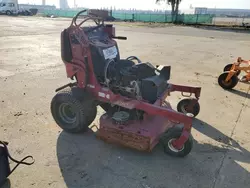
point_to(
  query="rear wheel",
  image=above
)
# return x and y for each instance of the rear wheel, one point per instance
(171, 135)
(228, 68)
(72, 114)
(227, 84)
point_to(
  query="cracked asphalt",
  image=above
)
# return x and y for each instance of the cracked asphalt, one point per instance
(31, 69)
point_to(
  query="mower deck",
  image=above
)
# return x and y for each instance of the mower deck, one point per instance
(139, 135)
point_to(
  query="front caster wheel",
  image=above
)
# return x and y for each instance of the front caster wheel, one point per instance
(171, 135)
(230, 84)
(72, 114)
(228, 68)
(184, 106)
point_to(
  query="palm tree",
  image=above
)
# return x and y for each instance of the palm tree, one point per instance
(174, 5)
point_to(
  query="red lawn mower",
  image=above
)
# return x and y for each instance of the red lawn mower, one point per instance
(132, 93)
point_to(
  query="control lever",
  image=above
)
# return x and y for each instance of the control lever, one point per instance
(119, 37)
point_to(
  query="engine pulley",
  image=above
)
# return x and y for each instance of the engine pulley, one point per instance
(120, 117)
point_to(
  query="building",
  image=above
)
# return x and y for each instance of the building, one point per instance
(223, 12)
(200, 10)
(64, 4)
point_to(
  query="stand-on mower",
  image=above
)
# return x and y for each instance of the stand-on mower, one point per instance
(131, 94)
(229, 78)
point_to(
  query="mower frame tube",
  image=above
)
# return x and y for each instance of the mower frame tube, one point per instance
(186, 89)
(232, 72)
(236, 67)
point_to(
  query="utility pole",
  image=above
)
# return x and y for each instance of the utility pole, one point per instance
(44, 2)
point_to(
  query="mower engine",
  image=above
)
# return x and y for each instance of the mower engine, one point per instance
(138, 81)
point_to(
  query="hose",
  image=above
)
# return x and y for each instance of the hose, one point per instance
(106, 80)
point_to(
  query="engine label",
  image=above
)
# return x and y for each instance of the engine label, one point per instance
(103, 95)
(110, 53)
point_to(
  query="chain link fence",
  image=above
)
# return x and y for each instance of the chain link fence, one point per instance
(165, 18)
(206, 19)
(62, 13)
(139, 17)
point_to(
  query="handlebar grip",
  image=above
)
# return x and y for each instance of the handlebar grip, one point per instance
(5, 143)
(118, 37)
(78, 14)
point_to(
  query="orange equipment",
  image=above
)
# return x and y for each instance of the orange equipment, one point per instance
(229, 78)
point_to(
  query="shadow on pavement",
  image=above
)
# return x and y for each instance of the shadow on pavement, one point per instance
(218, 136)
(225, 29)
(240, 93)
(86, 161)
(234, 175)
(211, 131)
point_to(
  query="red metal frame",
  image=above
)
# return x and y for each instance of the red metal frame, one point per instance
(78, 68)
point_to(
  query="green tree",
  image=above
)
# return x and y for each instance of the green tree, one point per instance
(174, 6)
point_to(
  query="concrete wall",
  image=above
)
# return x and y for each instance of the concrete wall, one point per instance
(230, 21)
(221, 12)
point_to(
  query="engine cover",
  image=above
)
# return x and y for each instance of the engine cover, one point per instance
(153, 87)
(136, 72)
(142, 70)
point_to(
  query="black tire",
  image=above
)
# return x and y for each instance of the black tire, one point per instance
(8, 13)
(182, 107)
(228, 68)
(230, 84)
(92, 112)
(82, 116)
(87, 101)
(172, 134)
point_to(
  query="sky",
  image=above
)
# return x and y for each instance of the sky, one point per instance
(147, 4)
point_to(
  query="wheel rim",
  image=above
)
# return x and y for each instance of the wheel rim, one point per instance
(67, 113)
(184, 109)
(224, 82)
(172, 148)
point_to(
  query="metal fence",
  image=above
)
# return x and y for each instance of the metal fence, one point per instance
(62, 13)
(139, 17)
(165, 18)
